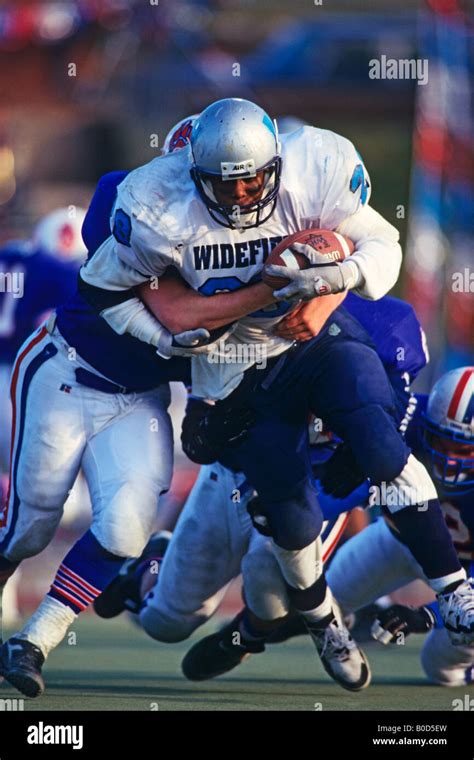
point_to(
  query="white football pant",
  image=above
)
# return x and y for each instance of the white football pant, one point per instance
(213, 542)
(122, 442)
(374, 563)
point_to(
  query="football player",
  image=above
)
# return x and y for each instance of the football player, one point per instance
(376, 561)
(214, 538)
(442, 433)
(220, 204)
(103, 407)
(161, 219)
(42, 273)
(44, 270)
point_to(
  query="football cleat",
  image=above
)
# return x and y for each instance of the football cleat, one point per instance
(342, 659)
(457, 610)
(293, 626)
(218, 653)
(21, 663)
(123, 593)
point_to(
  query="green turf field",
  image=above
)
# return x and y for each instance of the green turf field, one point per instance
(114, 666)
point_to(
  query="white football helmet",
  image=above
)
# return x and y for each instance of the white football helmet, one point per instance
(449, 430)
(59, 233)
(234, 139)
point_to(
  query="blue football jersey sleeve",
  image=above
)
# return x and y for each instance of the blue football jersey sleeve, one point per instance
(395, 330)
(96, 226)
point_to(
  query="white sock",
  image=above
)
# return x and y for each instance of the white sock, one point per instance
(47, 627)
(302, 567)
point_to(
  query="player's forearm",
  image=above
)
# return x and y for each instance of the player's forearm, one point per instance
(378, 254)
(179, 308)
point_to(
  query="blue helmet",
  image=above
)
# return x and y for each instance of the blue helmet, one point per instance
(449, 431)
(235, 139)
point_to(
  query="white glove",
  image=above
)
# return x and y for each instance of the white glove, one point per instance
(187, 343)
(321, 279)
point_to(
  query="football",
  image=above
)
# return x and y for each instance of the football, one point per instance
(333, 245)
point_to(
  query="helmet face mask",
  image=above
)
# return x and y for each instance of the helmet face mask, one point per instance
(235, 139)
(237, 216)
(448, 437)
(450, 458)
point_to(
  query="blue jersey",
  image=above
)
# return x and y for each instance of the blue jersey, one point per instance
(123, 359)
(458, 510)
(395, 331)
(32, 284)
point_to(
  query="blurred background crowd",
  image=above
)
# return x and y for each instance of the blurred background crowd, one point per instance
(90, 86)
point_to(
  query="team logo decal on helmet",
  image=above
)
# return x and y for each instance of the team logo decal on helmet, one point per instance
(236, 139)
(180, 135)
(449, 430)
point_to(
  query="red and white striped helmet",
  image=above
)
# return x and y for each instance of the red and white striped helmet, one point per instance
(449, 422)
(451, 403)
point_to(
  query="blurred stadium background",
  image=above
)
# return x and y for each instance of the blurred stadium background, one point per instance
(87, 85)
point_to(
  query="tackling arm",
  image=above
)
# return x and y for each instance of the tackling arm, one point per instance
(180, 308)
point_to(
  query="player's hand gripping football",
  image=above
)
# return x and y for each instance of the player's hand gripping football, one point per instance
(321, 278)
(397, 619)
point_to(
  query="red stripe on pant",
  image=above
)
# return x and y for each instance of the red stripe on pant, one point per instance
(13, 387)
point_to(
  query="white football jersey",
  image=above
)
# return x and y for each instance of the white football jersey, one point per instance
(159, 221)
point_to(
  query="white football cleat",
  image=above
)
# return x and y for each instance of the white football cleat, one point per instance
(457, 610)
(340, 655)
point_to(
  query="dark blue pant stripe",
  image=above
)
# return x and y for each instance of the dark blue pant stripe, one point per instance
(47, 353)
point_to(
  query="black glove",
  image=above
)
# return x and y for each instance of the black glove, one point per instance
(208, 430)
(340, 475)
(397, 619)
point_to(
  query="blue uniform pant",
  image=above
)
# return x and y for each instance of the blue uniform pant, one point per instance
(339, 377)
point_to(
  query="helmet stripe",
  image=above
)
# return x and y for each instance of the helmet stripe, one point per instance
(469, 415)
(462, 396)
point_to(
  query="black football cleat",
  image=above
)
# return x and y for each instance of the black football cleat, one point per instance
(218, 653)
(293, 626)
(123, 593)
(21, 663)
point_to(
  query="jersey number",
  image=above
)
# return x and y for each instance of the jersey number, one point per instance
(358, 179)
(227, 284)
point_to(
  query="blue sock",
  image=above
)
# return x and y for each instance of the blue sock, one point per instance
(424, 531)
(434, 607)
(84, 573)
